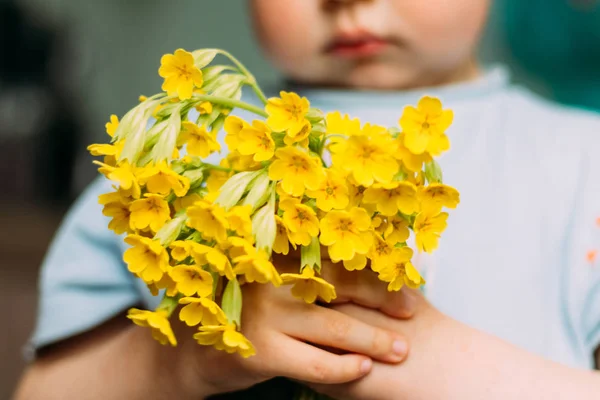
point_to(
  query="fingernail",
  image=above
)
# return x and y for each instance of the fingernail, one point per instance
(400, 347)
(366, 365)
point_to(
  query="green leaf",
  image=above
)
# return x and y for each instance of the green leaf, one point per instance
(211, 73)
(264, 226)
(235, 187)
(230, 87)
(232, 302)
(433, 172)
(226, 83)
(259, 192)
(204, 57)
(310, 256)
(170, 231)
(314, 115)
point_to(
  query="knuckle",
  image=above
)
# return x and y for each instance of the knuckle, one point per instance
(338, 329)
(380, 342)
(320, 372)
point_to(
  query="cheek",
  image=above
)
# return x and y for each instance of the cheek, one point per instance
(444, 27)
(287, 30)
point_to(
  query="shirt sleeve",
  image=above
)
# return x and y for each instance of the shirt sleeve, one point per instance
(83, 280)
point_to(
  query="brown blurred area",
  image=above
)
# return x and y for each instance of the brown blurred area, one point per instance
(38, 134)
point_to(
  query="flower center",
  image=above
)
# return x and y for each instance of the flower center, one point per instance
(329, 190)
(265, 142)
(426, 125)
(295, 111)
(345, 225)
(298, 163)
(184, 72)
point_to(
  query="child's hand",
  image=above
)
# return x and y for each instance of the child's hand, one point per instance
(280, 327)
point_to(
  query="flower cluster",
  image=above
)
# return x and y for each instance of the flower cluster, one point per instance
(293, 179)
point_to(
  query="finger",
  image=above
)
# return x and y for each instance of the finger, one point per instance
(301, 361)
(326, 327)
(364, 288)
(366, 315)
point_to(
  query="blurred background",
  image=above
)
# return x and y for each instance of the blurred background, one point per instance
(66, 65)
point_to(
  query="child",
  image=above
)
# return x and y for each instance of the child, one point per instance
(512, 262)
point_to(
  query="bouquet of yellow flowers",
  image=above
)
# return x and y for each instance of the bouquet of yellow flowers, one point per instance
(292, 178)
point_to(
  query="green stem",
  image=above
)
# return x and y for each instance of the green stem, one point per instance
(231, 103)
(251, 79)
(168, 304)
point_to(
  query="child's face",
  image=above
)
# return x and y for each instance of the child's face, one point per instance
(374, 44)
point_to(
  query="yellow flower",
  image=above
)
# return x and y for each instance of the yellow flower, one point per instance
(117, 207)
(300, 220)
(208, 219)
(204, 108)
(204, 311)
(301, 137)
(437, 195)
(282, 241)
(288, 113)
(395, 230)
(125, 175)
(152, 211)
(181, 249)
(199, 141)
(417, 178)
(333, 192)
(225, 337)
(180, 73)
(216, 179)
(346, 233)
(356, 194)
(256, 141)
(425, 125)
(308, 287)
(393, 197)
(380, 253)
(428, 228)
(147, 258)
(112, 125)
(342, 125)
(296, 170)
(240, 222)
(256, 267)
(110, 152)
(157, 321)
(401, 272)
(233, 126)
(161, 179)
(368, 158)
(192, 280)
(239, 162)
(165, 283)
(412, 162)
(182, 203)
(235, 246)
(214, 257)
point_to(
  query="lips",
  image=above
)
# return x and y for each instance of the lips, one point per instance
(359, 45)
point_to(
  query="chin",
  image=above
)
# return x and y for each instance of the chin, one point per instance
(380, 77)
